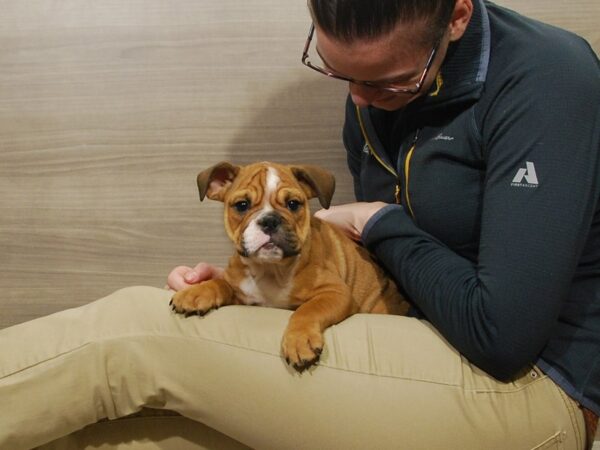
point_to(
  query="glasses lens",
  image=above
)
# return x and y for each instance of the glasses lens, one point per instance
(315, 60)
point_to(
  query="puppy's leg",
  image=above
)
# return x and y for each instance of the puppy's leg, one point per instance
(302, 342)
(201, 298)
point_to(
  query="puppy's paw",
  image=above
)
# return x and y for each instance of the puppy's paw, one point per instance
(196, 300)
(302, 347)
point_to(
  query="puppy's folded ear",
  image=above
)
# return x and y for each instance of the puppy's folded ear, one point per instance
(216, 180)
(316, 182)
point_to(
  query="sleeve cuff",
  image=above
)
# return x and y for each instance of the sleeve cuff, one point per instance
(376, 217)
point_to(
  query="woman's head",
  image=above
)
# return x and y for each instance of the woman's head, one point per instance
(381, 44)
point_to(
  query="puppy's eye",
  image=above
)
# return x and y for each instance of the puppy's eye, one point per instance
(242, 206)
(293, 205)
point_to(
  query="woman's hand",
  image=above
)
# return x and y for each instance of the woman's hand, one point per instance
(351, 217)
(182, 277)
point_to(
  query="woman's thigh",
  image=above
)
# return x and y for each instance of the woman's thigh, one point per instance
(382, 382)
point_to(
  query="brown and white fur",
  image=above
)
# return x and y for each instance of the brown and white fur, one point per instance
(286, 258)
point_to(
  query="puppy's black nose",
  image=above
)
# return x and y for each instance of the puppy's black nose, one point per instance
(269, 223)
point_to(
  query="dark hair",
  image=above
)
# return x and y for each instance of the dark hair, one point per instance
(348, 20)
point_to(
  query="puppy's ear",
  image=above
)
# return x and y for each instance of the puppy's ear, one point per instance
(316, 182)
(216, 180)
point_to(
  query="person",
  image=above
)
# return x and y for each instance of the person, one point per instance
(472, 136)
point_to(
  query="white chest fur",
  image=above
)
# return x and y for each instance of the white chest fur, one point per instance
(265, 290)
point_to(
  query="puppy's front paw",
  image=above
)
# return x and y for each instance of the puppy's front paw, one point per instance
(302, 347)
(196, 300)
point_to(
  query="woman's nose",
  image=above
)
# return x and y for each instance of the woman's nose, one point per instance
(363, 95)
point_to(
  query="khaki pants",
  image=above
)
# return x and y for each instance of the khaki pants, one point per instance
(384, 382)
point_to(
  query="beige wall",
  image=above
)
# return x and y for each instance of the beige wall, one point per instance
(109, 109)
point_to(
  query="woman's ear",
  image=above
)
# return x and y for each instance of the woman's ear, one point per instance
(463, 10)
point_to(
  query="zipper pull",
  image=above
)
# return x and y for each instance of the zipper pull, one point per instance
(397, 194)
(416, 138)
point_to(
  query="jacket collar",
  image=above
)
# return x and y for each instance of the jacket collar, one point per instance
(464, 71)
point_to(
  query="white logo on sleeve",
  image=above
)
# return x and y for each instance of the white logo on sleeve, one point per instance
(526, 177)
(443, 137)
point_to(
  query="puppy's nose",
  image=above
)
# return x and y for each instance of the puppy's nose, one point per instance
(270, 223)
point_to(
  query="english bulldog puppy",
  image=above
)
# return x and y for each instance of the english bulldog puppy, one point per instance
(286, 258)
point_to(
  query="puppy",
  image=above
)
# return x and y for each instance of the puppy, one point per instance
(287, 259)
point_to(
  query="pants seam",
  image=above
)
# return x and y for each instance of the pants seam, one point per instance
(320, 364)
(45, 360)
(514, 390)
(579, 434)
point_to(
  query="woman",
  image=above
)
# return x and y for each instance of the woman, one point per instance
(472, 137)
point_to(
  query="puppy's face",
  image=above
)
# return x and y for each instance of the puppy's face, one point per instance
(267, 213)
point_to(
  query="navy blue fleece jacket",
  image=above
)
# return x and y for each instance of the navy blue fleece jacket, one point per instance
(496, 240)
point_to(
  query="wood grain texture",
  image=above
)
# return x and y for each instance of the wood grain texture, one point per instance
(109, 109)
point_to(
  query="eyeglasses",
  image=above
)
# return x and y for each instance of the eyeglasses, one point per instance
(394, 87)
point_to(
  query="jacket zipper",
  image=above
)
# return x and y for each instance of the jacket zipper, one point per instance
(390, 169)
(407, 159)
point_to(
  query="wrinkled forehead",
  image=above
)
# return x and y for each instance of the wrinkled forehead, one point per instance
(267, 177)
